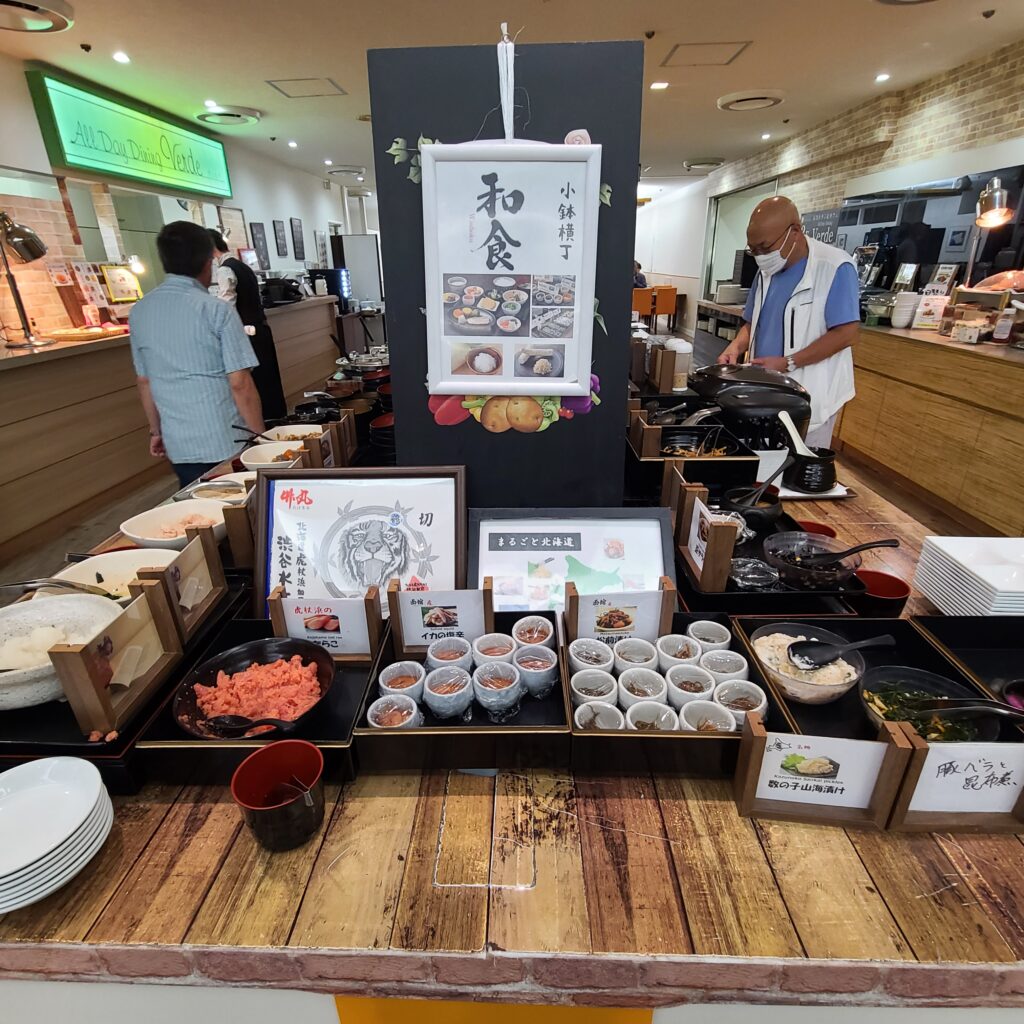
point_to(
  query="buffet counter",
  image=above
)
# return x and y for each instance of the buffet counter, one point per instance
(537, 887)
(72, 428)
(945, 417)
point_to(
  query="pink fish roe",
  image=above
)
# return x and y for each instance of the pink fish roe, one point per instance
(283, 689)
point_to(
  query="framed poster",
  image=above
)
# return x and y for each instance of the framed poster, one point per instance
(332, 533)
(510, 237)
(122, 284)
(259, 243)
(298, 246)
(531, 553)
(280, 238)
(249, 258)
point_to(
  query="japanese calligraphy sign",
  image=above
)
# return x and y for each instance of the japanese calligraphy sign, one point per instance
(819, 770)
(338, 625)
(431, 616)
(510, 235)
(970, 777)
(611, 617)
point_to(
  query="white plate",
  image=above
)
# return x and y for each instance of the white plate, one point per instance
(144, 529)
(50, 867)
(27, 898)
(42, 804)
(276, 434)
(968, 587)
(953, 601)
(995, 578)
(118, 569)
(81, 615)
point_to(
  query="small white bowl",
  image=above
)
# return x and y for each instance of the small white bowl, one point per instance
(724, 665)
(712, 636)
(275, 435)
(672, 643)
(498, 703)
(590, 647)
(493, 641)
(144, 529)
(605, 688)
(653, 685)
(450, 643)
(660, 715)
(677, 696)
(604, 716)
(391, 699)
(634, 647)
(535, 622)
(402, 669)
(448, 705)
(537, 681)
(697, 711)
(113, 571)
(741, 688)
(262, 455)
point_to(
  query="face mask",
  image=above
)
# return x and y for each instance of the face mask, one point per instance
(772, 262)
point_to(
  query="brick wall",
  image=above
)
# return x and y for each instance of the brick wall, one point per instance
(976, 104)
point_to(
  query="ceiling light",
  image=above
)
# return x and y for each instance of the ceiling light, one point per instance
(135, 265)
(659, 85)
(750, 99)
(703, 166)
(210, 104)
(227, 116)
(292, 144)
(765, 136)
(327, 163)
(348, 169)
(360, 177)
(41, 16)
(882, 76)
(121, 57)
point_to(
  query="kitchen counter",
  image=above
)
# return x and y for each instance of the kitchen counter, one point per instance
(945, 418)
(717, 307)
(17, 358)
(537, 887)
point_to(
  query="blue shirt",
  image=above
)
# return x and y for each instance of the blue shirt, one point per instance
(841, 307)
(186, 342)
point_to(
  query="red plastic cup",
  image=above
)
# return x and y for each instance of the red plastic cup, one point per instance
(810, 527)
(884, 596)
(280, 792)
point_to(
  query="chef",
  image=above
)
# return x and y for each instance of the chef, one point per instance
(237, 285)
(802, 313)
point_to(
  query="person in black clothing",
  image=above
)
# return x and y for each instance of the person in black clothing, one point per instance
(639, 279)
(237, 284)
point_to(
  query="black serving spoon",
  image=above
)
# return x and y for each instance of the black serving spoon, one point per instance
(238, 725)
(971, 706)
(753, 496)
(811, 654)
(827, 557)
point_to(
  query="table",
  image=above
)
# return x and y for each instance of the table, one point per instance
(533, 886)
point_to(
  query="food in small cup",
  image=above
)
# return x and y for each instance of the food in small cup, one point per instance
(651, 716)
(740, 696)
(592, 684)
(452, 651)
(538, 668)
(498, 689)
(724, 665)
(598, 715)
(711, 636)
(510, 308)
(402, 677)
(704, 716)
(676, 649)
(636, 684)
(633, 652)
(472, 291)
(448, 691)
(395, 711)
(493, 647)
(457, 283)
(449, 298)
(509, 324)
(533, 630)
(805, 686)
(687, 683)
(586, 653)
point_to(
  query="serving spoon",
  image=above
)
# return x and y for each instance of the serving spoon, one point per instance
(237, 725)
(826, 557)
(794, 435)
(811, 654)
(970, 706)
(753, 496)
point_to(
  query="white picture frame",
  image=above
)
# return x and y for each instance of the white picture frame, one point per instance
(490, 358)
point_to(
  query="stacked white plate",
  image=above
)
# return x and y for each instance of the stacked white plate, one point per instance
(973, 575)
(55, 815)
(904, 309)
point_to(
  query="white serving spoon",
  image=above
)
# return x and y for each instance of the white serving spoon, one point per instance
(794, 435)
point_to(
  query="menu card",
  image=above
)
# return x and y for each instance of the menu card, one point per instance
(438, 614)
(339, 625)
(970, 777)
(613, 617)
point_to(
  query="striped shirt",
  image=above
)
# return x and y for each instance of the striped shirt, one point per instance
(186, 342)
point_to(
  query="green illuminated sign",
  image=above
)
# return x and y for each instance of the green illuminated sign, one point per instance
(90, 131)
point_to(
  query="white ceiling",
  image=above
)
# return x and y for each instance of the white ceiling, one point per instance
(823, 54)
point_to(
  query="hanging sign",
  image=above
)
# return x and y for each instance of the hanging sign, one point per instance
(970, 777)
(96, 132)
(510, 236)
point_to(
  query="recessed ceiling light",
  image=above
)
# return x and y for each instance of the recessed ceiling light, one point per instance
(223, 115)
(659, 85)
(882, 76)
(292, 144)
(121, 57)
(750, 99)
(327, 163)
(210, 104)
(765, 136)
(40, 16)
(703, 166)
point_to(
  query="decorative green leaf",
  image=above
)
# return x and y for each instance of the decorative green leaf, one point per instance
(599, 318)
(414, 174)
(424, 141)
(416, 160)
(606, 194)
(399, 151)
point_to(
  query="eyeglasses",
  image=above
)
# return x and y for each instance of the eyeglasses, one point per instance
(760, 250)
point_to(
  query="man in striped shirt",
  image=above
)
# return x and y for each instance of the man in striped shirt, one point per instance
(192, 359)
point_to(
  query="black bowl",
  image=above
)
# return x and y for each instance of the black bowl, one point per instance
(812, 476)
(186, 710)
(759, 517)
(917, 679)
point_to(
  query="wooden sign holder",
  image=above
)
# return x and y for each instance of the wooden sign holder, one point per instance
(240, 521)
(336, 446)
(672, 484)
(419, 651)
(137, 650)
(875, 815)
(713, 575)
(669, 598)
(199, 561)
(905, 820)
(374, 624)
(345, 432)
(662, 369)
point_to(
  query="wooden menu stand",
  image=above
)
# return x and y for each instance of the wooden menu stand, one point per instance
(374, 624)
(669, 598)
(419, 651)
(713, 575)
(110, 677)
(662, 369)
(672, 485)
(875, 815)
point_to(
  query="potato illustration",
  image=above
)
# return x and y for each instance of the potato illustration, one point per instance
(495, 415)
(524, 414)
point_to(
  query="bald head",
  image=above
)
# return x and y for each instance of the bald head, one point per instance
(775, 223)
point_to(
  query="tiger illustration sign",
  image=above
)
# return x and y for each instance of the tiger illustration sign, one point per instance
(332, 533)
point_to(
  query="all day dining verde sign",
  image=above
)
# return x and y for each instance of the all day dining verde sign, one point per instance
(90, 131)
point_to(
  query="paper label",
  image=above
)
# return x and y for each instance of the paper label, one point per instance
(436, 615)
(612, 617)
(974, 778)
(700, 531)
(337, 625)
(820, 770)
